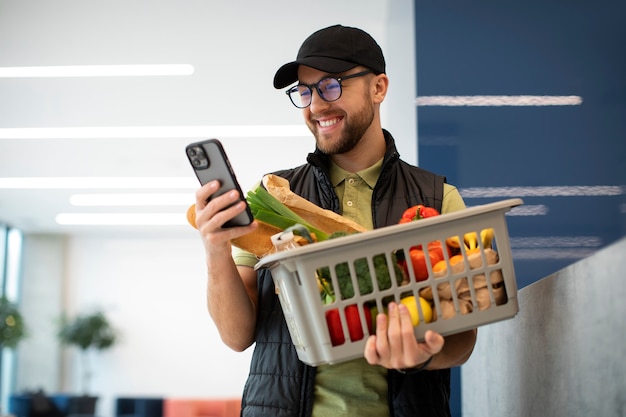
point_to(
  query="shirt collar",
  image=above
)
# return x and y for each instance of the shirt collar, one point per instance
(369, 175)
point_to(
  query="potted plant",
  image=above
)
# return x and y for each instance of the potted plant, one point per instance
(87, 332)
(12, 328)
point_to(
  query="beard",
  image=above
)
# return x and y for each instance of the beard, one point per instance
(353, 130)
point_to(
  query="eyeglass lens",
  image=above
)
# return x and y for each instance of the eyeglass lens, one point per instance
(329, 89)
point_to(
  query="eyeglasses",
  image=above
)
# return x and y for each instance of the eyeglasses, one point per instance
(329, 89)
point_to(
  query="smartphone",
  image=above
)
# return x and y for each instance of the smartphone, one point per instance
(209, 161)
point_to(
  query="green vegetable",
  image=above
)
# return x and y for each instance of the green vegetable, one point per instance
(266, 208)
(363, 275)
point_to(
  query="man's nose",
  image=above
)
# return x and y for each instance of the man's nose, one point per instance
(317, 102)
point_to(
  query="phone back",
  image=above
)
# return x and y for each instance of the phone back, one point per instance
(209, 162)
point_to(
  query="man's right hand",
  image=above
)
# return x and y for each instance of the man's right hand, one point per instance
(211, 216)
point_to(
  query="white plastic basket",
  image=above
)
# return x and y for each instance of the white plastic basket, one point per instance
(457, 302)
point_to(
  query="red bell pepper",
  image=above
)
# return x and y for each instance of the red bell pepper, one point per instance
(417, 254)
(418, 212)
(333, 321)
(355, 329)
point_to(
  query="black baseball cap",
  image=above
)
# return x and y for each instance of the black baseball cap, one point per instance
(334, 49)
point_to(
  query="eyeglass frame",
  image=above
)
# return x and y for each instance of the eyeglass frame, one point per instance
(316, 87)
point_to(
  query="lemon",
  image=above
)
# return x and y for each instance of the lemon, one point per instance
(411, 304)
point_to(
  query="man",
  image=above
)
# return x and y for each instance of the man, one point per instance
(355, 171)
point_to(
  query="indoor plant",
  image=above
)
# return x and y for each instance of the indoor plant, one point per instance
(12, 328)
(90, 331)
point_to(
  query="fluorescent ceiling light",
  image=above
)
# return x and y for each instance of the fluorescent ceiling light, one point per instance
(496, 101)
(122, 219)
(189, 183)
(145, 199)
(109, 132)
(98, 71)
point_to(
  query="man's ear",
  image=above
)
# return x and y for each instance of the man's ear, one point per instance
(380, 85)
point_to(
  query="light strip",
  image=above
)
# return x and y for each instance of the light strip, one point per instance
(544, 191)
(552, 254)
(496, 101)
(529, 210)
(122, 219)
(98, 71)
(144, 199)
(556, 242)
(110, 132)
(189, 183)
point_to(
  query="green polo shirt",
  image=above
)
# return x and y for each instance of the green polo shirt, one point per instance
(353, 387)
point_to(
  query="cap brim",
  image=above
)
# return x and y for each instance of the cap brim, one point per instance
(288, 73)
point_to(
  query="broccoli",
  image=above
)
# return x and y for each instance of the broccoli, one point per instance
(364, 278)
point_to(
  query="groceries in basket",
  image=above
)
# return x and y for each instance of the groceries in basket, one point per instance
(377, 275)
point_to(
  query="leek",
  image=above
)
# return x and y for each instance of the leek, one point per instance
(266, 208)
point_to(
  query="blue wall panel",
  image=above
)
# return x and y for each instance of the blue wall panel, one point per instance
(568, 163)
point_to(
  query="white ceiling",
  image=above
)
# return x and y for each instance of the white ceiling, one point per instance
(235, 48)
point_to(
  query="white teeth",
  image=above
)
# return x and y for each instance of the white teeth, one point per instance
(326, 123)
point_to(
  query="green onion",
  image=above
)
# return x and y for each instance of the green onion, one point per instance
(266, 208)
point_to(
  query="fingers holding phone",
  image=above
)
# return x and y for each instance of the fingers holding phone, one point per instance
(221, 210)
(211, 165)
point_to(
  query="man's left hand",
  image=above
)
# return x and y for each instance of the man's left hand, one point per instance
(394, 345)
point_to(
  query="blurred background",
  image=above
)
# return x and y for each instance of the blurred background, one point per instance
(505, 99)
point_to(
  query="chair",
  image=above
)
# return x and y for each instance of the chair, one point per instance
(19, 405)
(36, 403)
(55, 405)
(202, 407)
(138, 407)
(75, 405)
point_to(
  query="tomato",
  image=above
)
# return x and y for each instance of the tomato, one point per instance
(418, 260)
(355, 329)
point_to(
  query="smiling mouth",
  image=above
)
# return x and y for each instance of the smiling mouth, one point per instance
(329, 122)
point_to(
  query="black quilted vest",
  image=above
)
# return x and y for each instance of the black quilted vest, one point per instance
(279, 385)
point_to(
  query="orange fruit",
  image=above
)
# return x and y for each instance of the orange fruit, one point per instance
(191, 216)
(441, 265)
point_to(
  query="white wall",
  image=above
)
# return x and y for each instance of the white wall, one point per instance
(42, 288)
(153, 291)
(152, 287)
